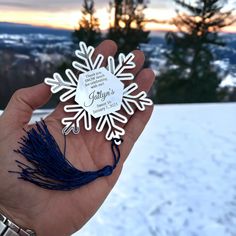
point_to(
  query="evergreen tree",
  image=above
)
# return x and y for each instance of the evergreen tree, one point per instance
(88, 28)
(127, 24)
(190, 74)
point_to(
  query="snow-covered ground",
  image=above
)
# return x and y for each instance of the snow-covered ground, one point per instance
(180, 179)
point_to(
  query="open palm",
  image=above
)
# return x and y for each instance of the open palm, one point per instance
(59, 213)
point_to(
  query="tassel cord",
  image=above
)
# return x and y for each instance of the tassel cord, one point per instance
(48, 167)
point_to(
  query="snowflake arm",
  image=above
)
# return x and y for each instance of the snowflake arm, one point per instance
(140, 100)
(86, 63)
(125, 63)
(57, 84)
(72, 123)
(113, 131)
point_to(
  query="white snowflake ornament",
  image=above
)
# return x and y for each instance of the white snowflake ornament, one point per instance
(99, 93)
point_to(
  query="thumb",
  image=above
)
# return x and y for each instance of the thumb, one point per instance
(23, 102)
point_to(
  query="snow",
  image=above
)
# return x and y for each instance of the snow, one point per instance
(223, 64)
(179, 179)
(229, 81)
(22, 56)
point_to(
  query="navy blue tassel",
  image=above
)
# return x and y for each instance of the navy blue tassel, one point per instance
(48, 167)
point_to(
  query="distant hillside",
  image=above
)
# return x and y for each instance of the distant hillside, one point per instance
(14, 28)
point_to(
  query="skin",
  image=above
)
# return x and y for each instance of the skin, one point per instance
(56, 213)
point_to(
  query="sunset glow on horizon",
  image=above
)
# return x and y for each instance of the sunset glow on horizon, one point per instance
(70, 18)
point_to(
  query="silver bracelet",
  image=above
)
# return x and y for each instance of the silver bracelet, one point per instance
(8, 228)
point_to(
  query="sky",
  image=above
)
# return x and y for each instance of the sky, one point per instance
(66, 13)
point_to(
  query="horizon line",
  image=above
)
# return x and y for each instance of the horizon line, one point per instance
(102, 30)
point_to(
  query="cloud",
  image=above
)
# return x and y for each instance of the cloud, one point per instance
(13, 4)
(45, 5)
(65, 5)
(76, 5)
(160, 4)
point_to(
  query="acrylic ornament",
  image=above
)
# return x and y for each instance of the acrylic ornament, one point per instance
(99, 93)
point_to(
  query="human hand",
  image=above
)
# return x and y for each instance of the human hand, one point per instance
(57, 213)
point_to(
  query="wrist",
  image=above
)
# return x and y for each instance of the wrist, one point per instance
(11, 227)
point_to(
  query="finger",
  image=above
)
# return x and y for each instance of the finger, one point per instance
(133, 130)
(144, 80)
(139, 59)
(23, 102)
(106, 48)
